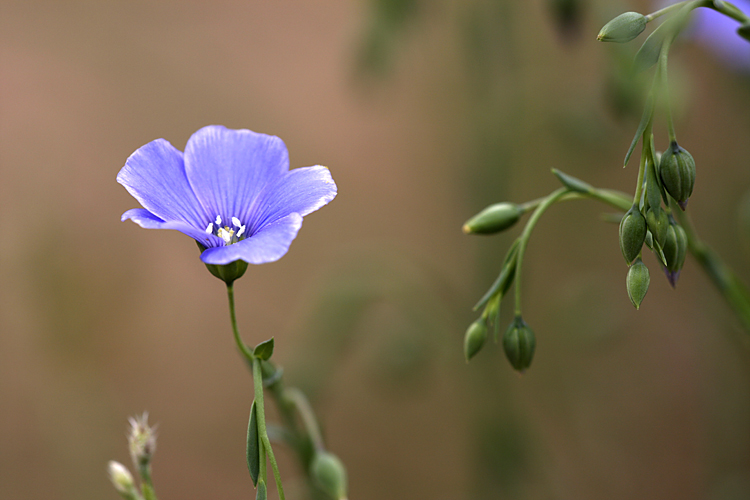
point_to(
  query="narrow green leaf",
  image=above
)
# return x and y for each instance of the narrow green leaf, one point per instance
(264, 350)
(504, 280)
(253, 448)
(572, 183)
(648, 113)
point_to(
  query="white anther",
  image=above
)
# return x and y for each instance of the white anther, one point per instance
(210, 228)
(242, 230)
(236, 222)
(218, 220)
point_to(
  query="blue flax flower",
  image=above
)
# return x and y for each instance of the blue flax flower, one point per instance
(231, 191)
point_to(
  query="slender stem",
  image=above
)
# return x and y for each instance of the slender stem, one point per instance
(665, 10)
(244, 349)
(729, 10)
(147, 486)
(639, 182)
(307, 415)
(665, 87)
(260, 415)
(524, 238)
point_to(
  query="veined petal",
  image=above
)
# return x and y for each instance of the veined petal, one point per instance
(228, 168)
(301, 190)
(147, 220)
(267, 245)
(155, 176)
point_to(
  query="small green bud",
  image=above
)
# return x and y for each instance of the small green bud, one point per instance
(675, 251)
(122, 480)
(637, 282)
(744, 31)
(474, 338)
(623, 28)
(493, 219)
(329, 474)
(632, 233)
(519, 343)
(658, 223)
(677, 173)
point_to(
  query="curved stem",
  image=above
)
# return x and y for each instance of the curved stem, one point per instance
(665, 10)
(244, 349)
(260, 415)
(306, 414)
(524, 238)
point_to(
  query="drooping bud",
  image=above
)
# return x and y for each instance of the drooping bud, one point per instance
(519, 344)
(637, 282)
(632, 234)
(677, 173)
(474, 338)
(122, 480)
(675, 251)
(623, 28)
(658, 223)
(493, 219)
(329, 474)
(744, 31)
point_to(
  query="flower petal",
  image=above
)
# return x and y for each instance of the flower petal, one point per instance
(155, 176)
(228, 168)
(147, 220)
(267, 245)
(302, 191)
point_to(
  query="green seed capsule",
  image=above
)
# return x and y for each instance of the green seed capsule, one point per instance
(493, 219)
(632, 234)
(519, 344)
(623, 28)
(474, 338)
(637, 282)
(677, 173)
(329, 474)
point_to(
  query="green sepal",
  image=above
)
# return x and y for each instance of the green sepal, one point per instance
(474, 338)
(261, 493)
(505, 279)
(228, 273)
(253, 446)
(572, 183)
(264, 350)
(648, 113)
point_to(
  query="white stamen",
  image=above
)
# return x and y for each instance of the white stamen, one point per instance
(210, 228)
(218, 220)
(236, 222)
(242, 230)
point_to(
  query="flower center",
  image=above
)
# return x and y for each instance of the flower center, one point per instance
(228, 234)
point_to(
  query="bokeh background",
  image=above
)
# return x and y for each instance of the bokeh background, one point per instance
(425, 112)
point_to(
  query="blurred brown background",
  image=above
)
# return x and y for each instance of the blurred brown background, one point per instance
(425, 112)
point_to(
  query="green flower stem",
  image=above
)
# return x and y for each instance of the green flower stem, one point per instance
(300, 402)
(260, 415)
(665, 10)
(663, 55)
(726, 281)
(244, 349)
(641, 173)
(729, 10)
(147, 488)
(550, 200)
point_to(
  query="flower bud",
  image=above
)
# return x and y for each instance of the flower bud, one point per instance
(122, 480)
(474, 338)
(675, 251)
(623, 28)
(677, 172)
(632, 234)
(637, 282)
(329, 474)
(141, 440)
(658, 223)
(744, 31)
(493, 219)
(519, 343)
